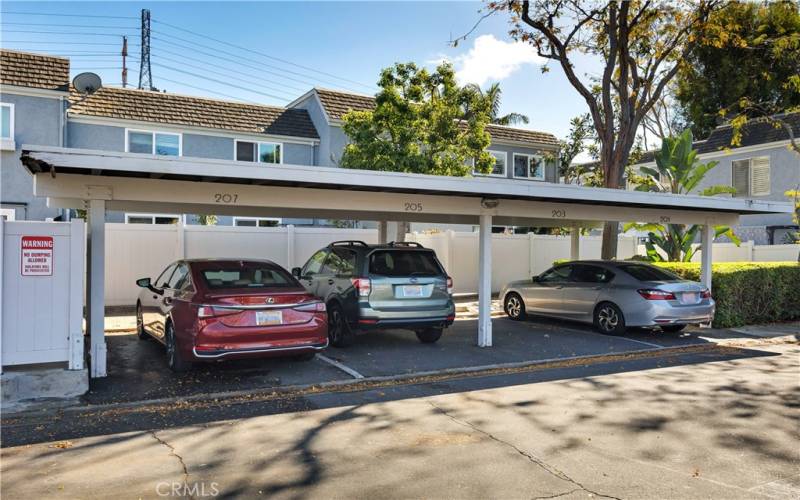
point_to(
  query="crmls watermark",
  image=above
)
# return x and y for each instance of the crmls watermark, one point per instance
(193, 490)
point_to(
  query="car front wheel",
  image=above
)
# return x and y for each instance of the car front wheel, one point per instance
(608, 319)
(140, 323)
(515, 308)
(429, 335)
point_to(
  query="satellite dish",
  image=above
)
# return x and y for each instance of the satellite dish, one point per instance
(87, 83)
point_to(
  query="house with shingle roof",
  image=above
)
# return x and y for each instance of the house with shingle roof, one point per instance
(761, 166)
(37, 98)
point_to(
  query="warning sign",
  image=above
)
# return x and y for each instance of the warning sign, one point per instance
(37, 256)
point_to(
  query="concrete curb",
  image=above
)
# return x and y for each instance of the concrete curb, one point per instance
(367, 383)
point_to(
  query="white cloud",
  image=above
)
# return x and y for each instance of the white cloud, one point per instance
(492, 60)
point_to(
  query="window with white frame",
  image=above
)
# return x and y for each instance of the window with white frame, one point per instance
(152, 219)
(153, 143)
(529, 166)
(751, 176)
(256, 222)
(499, 169)
(7, 121)
(260, 152)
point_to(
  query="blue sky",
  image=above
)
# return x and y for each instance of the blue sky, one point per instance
(352, 40)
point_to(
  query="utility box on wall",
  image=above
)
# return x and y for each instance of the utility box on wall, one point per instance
(43, 265)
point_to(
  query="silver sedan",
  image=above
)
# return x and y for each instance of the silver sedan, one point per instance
(612, 295)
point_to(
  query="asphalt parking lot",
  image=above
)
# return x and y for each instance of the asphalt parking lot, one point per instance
(137, 369)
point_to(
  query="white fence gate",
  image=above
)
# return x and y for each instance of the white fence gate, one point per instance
(42, 292)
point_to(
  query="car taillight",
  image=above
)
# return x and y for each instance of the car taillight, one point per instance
(651, 294)
(205, 312)
(706, 294)
(311, 307)
(362, 285)
(449, 285)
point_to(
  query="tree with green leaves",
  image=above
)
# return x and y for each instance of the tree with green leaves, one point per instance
(746, 65)
(420, 125)
(494, 94)
(678, 171)
(207, 220)
(579, 139)
(639, 44)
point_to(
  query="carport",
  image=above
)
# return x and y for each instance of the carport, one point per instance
(103, 180)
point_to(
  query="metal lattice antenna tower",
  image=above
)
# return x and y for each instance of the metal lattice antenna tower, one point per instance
(145, 75)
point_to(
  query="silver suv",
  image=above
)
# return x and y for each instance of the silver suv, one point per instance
(368, 287)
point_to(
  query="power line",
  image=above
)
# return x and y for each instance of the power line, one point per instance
(206, 37)
(206, 90)
(186, 47)
(221, 82)
(182, 63)
(64, 43)
(71, 25)
(62, 33)
(236, 70)
(66, 15)
(195, 44)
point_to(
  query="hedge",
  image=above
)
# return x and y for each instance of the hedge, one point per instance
(748, 292)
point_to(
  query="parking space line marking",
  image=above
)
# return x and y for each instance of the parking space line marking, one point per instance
(639, 341)
(340, 366)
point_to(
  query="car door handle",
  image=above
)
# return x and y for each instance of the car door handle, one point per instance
(331, 282)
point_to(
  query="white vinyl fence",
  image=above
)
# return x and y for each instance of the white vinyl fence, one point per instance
(141, 250)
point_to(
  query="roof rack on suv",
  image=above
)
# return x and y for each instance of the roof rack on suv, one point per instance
(405, 244)
(348, 243)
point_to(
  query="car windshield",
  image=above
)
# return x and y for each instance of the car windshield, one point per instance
(649, 273)
(245, 275)
(404, 263)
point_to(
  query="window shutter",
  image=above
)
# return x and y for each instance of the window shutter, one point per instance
(741, 177)
(759, 183)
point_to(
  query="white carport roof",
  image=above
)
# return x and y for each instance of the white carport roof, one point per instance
(130, 181)
(102, 180)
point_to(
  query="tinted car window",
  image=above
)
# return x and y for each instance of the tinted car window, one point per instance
(556, 274)
(404, 263)
(245, 275)
(341, 262)
(584, 273)
(179, 277)
(648, 273)
(314, 264)
(163, 278)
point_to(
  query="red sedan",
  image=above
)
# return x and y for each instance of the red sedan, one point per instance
(212, 309)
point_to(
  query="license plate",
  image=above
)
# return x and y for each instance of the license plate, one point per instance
(689, 298)
(269, 318)
(412, 290)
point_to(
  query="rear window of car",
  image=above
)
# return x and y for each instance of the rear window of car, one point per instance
(649, 273)
(404, 263)
(228, 276)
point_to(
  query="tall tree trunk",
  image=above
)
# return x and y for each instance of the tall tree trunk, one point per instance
(610, 235)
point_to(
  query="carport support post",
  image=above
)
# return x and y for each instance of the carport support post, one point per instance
(96, 306)
(706, 250)
(485, 281)
(575, 243)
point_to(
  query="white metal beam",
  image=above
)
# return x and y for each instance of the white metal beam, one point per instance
(706, 257)
(219, 198)
(96, 287)
(575, 243)
(485, 281)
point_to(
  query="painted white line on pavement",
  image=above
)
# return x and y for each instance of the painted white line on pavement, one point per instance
(340, 366)
(638, 341)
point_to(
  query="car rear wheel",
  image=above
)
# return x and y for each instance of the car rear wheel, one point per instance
(608, 319)
(429, 335)
(515, 307)
(672, 328)
(339, 332)
(140, 323)
(175, 361)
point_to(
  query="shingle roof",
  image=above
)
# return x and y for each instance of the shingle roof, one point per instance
(337, 103)
(24, 69)
(161, 107)
(757, 131)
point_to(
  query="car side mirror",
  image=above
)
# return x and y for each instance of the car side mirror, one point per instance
(296, 272)
(143, 282)
(535, 279)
